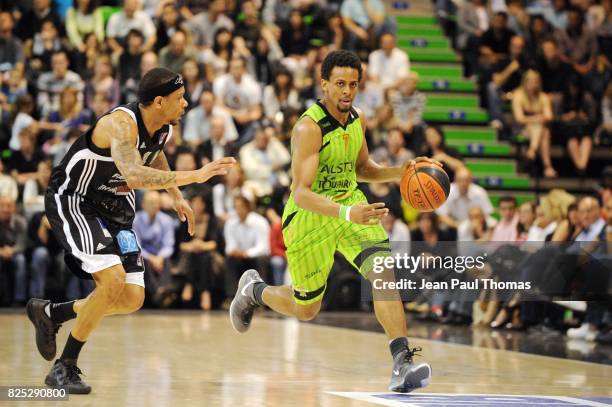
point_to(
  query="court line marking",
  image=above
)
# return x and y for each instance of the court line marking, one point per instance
(432, 398)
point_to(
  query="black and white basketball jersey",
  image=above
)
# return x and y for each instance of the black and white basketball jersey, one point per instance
(90, 173)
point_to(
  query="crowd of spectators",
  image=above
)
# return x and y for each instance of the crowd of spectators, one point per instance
(543, 70)
(250, 68)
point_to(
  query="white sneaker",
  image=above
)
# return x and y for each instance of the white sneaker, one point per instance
(581, 333)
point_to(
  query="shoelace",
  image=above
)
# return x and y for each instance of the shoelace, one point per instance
(411, 353)
(74, 372)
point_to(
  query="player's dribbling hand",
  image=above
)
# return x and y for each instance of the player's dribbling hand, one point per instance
(368, 214)
(217, 167)
(422, 160)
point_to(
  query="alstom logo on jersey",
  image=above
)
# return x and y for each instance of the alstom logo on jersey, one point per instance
(347, 166)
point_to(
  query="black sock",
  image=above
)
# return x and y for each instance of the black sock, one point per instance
(62, 312)
(258, 292)
(397, 345)
(71, 350)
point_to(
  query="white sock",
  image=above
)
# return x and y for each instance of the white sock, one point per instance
(48, 310)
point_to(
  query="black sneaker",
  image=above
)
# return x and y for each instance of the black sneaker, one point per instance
(243, 305)
(46, 330)
(407, 377)
(67, 376)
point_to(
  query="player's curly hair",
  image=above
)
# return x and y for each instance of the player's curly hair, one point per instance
(342, 58)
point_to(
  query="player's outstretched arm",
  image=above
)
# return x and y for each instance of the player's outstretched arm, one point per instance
(122, 131)
(306, 143)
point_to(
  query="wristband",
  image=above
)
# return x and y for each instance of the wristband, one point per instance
(345, 212)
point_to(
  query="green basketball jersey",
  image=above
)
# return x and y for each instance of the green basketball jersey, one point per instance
(336, 175)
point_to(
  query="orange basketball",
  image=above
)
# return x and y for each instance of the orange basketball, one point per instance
(425, 186)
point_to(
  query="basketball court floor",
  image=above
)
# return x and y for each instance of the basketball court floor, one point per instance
(196, 359)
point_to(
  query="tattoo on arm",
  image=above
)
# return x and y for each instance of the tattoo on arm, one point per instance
(127, 159)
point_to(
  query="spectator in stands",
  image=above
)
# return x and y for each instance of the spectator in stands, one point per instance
(197, 121)
(24, 108)
(280, 95)
(507, 75)
(408, 107)
(8, 185)
(85, 62)
(35, 189)
(194, 78)
(240, 95)
(436, 148)
(364, 20)
(205, 25)
(495, 42)
(199, 253)
(477, 227)
(472, 22)
(532, 111)
(568, 228)
(384, 192)
(295, 35)
(103, 81)
(266, 58)
(518, 18)
(370, 100)
(264, 161)
(155, 231)
(526, 218)
(249, 27)
(23, 163)
(398, 231)
(47, 254)
(129, 18)
(336, 36)
(83, 18)
(70, 114)
(603, 135)
(217, 58)
(278, 259)
(245, 242)
(506, 228)
(389, 64)
(11, 48)
(31, 21)
(593, 229)
(216, 146)
(174, 55)
(577, 123)
(51, 84)
(549, 213)
(13, 274)
(592, 223)
(539, 32)
(553, 72)
(557, 14)
(464, 196)
(169, 23)
(224, 194)
(40, 48)
(393, 153)
(16, 86)
(185, 160)
(577, 43)
(128, 68)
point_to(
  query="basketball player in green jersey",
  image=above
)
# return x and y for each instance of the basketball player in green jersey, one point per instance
(327, 213)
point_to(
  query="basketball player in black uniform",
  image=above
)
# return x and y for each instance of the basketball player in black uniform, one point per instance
(90, 206)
